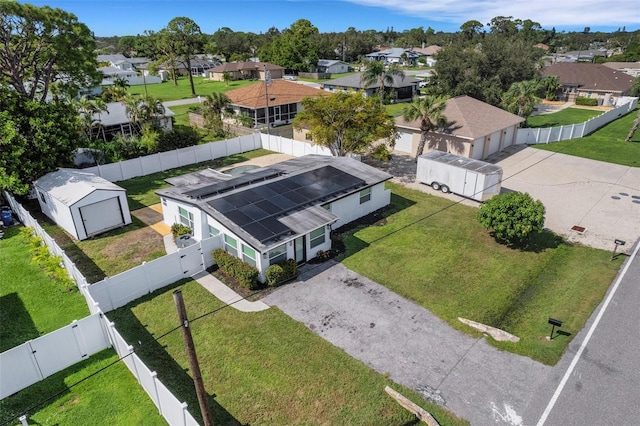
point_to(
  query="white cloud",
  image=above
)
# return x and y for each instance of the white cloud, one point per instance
(549, 13)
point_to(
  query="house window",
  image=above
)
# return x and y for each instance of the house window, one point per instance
(186, 217)
(231, 245)
(316, 237)
(278, 254)
(365, 195)
(213, 231)
(42, 197)
(308, 136)
(249, 255)
(164, 202)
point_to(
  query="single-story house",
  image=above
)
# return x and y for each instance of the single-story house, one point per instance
(394, 55)
(283, 98)
(246, 71)
(474, 129)
(116, 121)
(285, 211)
(402, 89)
(329, 66)
(587, 55)
(631, 68)
(428, 53)
(591, 81)
(82, 203)
(122, 62)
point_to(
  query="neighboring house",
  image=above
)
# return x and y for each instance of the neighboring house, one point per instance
(631, 68)
(402, 89)
(395, 55)
(111, 73)
(283, 98)
(246, 71)
(329, 66)
(428, 53)
(117, 121)
(587, 55)
(285, 211)
(82, 203)
(474, 129)
(121, 62)
(591, 81)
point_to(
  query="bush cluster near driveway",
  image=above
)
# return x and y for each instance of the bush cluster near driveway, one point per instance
(32, 304)
(167, 91)
(262, 367)
(605, 144)
(447, 263)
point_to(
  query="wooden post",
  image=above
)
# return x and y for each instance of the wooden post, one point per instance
(419, 412)
(193, 359)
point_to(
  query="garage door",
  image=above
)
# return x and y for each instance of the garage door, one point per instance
(404, 141)
(101, 216)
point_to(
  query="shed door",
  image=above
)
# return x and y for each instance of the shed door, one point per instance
(404, 142)
(470, 184)
(101, 216)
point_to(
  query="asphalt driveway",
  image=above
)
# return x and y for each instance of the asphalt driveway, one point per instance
(396, 336)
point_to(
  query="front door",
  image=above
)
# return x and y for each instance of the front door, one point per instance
(299, 247)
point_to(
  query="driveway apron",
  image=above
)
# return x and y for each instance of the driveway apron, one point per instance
(396, 336)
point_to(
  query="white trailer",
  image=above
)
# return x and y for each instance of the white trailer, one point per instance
(464, 176)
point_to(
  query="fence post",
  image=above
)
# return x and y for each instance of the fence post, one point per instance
(154, 377)
(184, 413)
(133, 361)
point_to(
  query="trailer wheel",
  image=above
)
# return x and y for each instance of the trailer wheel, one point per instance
(445, 189)
(435, 185)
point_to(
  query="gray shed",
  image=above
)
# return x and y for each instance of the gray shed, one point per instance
(82, 203)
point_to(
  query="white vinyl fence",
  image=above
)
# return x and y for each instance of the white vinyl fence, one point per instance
(39, 358)
(574, 131)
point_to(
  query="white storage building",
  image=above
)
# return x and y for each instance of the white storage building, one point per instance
(82, 203)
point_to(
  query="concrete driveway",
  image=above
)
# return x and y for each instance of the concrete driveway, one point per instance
(602, 198)
(396, 336)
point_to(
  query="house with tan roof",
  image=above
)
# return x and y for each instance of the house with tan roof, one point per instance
(591, 81)
(281, 97)
(246, 71)
(474, 129)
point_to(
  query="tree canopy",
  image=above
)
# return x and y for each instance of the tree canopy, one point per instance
(346, 122)
(429, 110)
(295, 48)
(42, 47)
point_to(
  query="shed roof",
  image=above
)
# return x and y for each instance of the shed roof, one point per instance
(469, 118)
(280, 92)
(70, 186)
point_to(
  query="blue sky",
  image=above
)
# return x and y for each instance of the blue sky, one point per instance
(116, 17)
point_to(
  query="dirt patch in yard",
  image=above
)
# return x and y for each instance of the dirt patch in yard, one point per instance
(137, 245)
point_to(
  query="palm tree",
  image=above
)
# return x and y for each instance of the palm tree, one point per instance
(430, 111)
(376, 72)
(87, 108)
(212, 106)
(551, 86)
(226, 77)
(152, 110)
(521, 97)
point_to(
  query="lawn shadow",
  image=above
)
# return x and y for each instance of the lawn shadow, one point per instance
(153, 353)
(536, 243)
(13, 311)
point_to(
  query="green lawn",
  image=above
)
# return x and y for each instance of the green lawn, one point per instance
(32, 304)
(451, 266)
(605, 144)
(395, 110)
(562, 118)
(333, 77)
(260, 368)
(182, 119)
(167, 91)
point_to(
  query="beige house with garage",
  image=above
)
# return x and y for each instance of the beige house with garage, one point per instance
(474, 129)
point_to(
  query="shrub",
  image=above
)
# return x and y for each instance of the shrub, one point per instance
(178, 137)
(280, 272)
(247, 275)
(513, 216)
(178, 229)
(581, 100)
(51, 265)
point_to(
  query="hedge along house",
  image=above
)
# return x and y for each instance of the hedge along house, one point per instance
(285, 211)
(82, 203)
(474, 129)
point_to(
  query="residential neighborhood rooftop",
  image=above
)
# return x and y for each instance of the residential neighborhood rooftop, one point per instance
(280, 92)
(596, 77)
(355, 81)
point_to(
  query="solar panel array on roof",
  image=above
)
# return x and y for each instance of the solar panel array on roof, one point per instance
(256, 209)
(238, 182)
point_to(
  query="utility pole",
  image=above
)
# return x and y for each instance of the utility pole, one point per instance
(193, 359)
(267, 82)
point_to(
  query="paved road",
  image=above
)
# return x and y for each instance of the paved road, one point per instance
(602, 384)
(393, 335)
